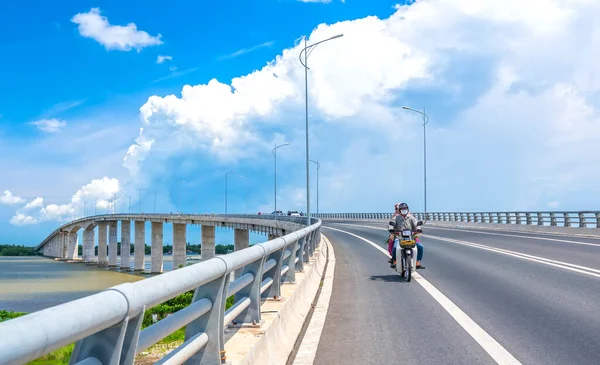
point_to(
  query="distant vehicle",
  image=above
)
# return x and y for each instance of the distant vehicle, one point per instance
(279, 212)
(293, 213)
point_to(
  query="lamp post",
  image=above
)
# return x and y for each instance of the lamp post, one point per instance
(227, 173)
(274, 152)
(307, 49)
(318, 167)
(425, 121)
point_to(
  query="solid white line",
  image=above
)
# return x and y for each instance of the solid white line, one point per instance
(310, 342)
(487, 342)
(542, 260)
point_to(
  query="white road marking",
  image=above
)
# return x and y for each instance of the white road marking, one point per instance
(542, 260)
(310, 342)
(487, 342)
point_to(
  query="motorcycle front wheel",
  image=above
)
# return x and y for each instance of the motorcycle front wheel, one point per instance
(408, 267)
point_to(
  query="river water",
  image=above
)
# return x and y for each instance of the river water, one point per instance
(32, 283)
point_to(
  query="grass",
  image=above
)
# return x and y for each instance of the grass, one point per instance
(62, 355)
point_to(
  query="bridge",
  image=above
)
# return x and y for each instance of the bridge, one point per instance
(498, 287)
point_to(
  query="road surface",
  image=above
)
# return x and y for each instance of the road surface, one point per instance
(485, 297)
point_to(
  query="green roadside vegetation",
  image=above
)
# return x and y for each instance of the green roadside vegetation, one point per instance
(20, 250)
(62, 355)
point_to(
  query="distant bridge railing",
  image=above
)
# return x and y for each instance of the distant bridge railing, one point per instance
(585, 219)
(106, 327)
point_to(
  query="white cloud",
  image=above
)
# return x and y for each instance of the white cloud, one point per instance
(512, 111)
(9, 199)
(162, 59)
(172, 68)
(101, 192)
(113, 37)
(35, 203)
(50, 125)
(21, 219)
(248, 50)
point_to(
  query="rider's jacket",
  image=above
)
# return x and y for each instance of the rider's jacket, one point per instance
(398, 223)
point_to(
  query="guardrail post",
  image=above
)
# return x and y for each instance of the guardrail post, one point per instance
(210, 323)
(300, 254)
(114, 345)
(290, 275)
(597, 220)
(528, 219)
(567, 219)
(582, 222)
(252, 291)
(508, 218)
(540, 218)
(274, 291)
(553, 219)
(518, 217)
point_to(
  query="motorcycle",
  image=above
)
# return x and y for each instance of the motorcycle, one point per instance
(406, 252)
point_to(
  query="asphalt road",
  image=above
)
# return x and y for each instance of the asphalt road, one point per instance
(539, 311)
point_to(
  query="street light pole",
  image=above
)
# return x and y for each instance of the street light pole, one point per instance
(227, 173)
(305, 64)
(425, 121)
(274, 152)
(318, 167)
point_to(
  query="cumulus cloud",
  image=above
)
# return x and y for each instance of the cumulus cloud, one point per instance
(506, 98)
(101, 192)
(35, 203)
(113, 37)
(50, 125)
(161, 59)
(9, 199)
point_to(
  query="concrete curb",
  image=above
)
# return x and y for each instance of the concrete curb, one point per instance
(277, 341)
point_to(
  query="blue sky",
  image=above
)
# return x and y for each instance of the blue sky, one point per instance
(215, 85)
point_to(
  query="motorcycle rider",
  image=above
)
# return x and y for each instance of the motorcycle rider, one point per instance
(405, 220)
(390, 240)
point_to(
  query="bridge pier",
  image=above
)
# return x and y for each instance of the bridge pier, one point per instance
(102, 228)
(64, 245)
(157, 247)
(272, 236)
(112, 244)
(125, 244)
(139, 250)
(73, 239)
(88, 245)
(179, 244)
(208, 243)
(241, 240)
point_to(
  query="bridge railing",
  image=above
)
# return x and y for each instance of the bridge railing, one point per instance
(106, 327)
(583, 219)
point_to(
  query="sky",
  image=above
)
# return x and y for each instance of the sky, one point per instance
(127, 106)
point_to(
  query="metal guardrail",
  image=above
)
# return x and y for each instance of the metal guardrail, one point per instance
(586, 219)
(106, 327)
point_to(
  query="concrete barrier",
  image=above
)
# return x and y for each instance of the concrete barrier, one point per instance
(525, 228)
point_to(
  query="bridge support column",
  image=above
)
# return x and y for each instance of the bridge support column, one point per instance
(272, 236)
(241, 241)
(102, 228)
(125, 244)
(64, 245)
(140, 246)
(157, 247)
(179, 245)
(112, 244)
(72, 250)
(88, 245)
(208, 243)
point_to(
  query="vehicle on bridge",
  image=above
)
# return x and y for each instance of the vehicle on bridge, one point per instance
(406, 252)
(293, 213)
